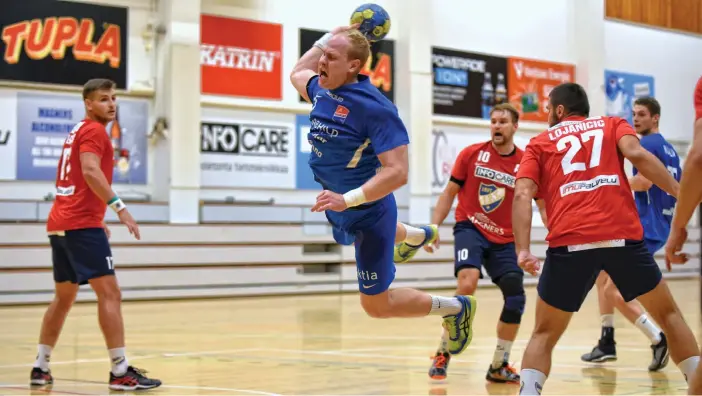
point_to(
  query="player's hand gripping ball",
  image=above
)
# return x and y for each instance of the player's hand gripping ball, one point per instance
(374, 21)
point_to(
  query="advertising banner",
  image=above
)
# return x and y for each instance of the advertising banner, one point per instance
(531, 81)
(44, 121)
(622, 89)
(380, 67)
(448, 142)
(236, 153)
(8, 135)
(467, 84)
(63, 42)
(241, 58)
(304, 179)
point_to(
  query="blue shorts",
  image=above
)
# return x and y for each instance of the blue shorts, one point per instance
(372, 230)
(568, 276)
(81, 255)
(653, 245)
(473, 250)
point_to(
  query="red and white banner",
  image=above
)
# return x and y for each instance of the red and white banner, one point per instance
(241, 57)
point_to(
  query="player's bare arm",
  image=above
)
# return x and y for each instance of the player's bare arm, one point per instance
(689, 197)
(307, 66)
(647, 164)
(96, 180)
(524, 192)
(640, 183)
(442, 209)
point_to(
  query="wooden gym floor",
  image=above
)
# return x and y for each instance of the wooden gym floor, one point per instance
(319, 345)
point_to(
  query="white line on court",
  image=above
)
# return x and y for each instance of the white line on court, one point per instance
(205, 388)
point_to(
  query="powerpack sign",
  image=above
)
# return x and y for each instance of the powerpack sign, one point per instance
(380, 67)
(247, 154)
(467, 84)
(63, 42)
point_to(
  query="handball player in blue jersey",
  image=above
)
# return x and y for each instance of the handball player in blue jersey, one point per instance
(655, 208)
(359, 156)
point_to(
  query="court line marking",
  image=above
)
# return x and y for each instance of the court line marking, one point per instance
(84, 384)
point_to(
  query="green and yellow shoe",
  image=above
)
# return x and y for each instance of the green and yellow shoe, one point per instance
(459, 326)
(405, 252)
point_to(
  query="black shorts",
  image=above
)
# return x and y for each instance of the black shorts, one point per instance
(473, 250)
(81, 255)
(568, 275)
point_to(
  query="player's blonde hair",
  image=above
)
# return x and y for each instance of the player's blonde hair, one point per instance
(360, 47)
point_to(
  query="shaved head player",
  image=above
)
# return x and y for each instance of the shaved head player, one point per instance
(359, 156)
(577, 168)
(689, 198)
(80, 249)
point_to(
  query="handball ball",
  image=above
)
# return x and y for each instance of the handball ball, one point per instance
(374, 21)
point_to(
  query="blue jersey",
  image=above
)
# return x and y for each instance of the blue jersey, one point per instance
(350, 127)
(655, 206)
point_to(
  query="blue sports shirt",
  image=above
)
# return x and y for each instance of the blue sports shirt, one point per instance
(655, 206)
(350, 127)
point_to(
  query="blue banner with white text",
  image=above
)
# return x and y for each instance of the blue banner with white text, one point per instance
(622, 89)
(44, 121)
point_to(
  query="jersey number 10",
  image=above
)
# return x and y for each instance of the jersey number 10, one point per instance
(575, 146)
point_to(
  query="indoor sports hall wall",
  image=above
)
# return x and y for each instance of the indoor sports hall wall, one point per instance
(254, 233)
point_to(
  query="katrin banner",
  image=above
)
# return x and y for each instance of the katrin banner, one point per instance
(241, 58)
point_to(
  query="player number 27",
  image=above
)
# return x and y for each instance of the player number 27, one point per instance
(575, 146)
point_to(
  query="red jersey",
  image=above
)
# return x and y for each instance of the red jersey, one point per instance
(76, 206)
(580, 174)
(487, 189)
(698, 99)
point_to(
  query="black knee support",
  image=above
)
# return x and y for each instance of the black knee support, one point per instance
(512, 286)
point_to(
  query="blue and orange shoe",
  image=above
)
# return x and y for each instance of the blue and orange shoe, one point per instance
(404, 252)
(459, 326)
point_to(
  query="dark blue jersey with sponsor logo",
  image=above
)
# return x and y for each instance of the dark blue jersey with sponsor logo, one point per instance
(655, 206)
(350, 127)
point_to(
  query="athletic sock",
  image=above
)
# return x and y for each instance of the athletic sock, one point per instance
(689, 366)
(43, 357)
(532, 382)
(607, 320)
(415, 236)
(502, 351)
(445, 306)
(443, 344)
(649, 329)
(118, 357)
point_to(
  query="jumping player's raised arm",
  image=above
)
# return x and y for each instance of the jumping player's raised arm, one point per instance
(306, 68)
(646, 163)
